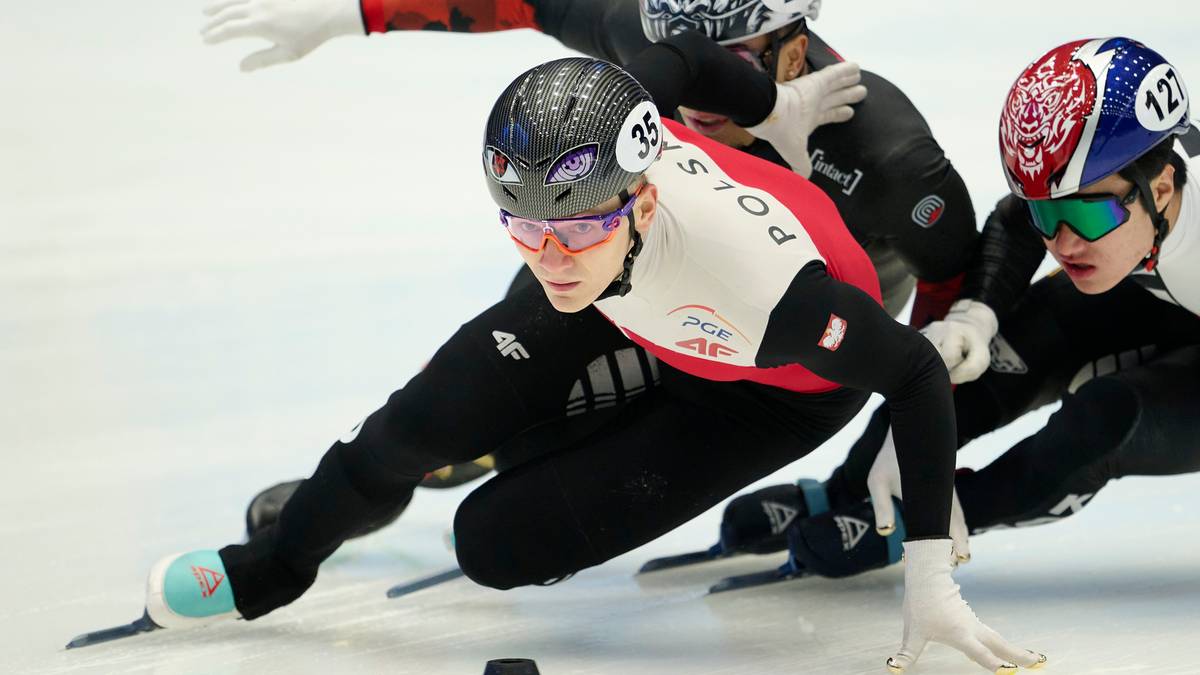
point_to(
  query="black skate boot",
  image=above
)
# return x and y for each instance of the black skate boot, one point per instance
(838, 543)
(755, 523)
(265, 507)
(843, 543)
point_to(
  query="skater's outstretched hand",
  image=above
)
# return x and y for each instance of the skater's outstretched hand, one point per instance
(295, 27)
(883, 483)
(964, 339)
(935, 610)
(805, 103)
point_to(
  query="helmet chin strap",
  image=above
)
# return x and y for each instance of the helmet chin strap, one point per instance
(624, 282)
(1157, 218)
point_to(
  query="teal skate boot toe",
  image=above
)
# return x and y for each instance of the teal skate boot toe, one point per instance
(189, 589)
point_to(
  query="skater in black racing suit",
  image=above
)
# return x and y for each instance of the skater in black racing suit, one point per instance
(893, 185)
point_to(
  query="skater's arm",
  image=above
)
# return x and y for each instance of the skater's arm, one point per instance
(692, 70)
(924, 211)
(456, 16)
(1007, 257)
(840, 333)
(606, 29)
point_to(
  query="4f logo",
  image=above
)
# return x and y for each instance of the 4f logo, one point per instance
(507, 345)
(703, 347)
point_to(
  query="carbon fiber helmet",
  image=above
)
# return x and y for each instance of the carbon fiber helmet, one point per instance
(566, 136)
(725, 21)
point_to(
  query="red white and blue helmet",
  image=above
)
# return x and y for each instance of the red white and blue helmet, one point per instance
(1085, 110)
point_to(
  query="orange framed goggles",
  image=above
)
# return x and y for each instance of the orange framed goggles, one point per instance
(572, 236)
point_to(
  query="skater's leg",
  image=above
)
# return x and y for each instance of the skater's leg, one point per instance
(664, 460)
(998, 396)
(1053, 333)
(598, 388)
(474, 395)
(1140, 421)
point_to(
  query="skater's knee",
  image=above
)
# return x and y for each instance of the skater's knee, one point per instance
(518, 530)
(483, 554)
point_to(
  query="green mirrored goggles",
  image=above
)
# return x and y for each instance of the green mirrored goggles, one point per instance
(1089, 216)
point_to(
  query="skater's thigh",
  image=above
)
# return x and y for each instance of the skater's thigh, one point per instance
(662, 460)
(1053, 334)
(1165, 438)
(597, 393)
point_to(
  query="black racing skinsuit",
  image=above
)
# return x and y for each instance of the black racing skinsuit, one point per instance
(604, 478)
(899, 195)
(1124, 364)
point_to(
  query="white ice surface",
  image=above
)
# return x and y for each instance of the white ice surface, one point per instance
(206, 276)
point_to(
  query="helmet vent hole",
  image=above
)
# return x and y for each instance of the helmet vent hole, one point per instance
(570, 106)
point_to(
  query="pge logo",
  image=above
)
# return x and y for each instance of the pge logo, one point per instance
(716, 329)
(713, 329)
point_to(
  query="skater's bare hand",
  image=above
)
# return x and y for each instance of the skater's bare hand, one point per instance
(935, 610)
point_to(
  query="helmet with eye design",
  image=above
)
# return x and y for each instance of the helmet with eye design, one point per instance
(568, 135)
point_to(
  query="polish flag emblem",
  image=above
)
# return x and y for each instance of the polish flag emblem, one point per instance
(835, 331)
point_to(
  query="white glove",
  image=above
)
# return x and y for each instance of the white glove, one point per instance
(964, 339)
(296, 27)
(805, 103)
(883, 483)
(934, 610)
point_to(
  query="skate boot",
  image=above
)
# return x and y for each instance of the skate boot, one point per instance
(831, 544)
(458, 474)
(189, 589)
(758, 522)
(264, 510)
(265, 507)
(844, 542)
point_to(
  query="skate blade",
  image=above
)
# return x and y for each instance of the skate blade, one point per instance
(714, 552)
(422, 584)
(142, 625)
(744, 581)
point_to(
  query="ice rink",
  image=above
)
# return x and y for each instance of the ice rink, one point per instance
(207, 276)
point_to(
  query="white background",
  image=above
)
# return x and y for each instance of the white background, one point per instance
(206, 276)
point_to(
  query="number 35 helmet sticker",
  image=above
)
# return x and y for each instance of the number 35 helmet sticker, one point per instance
(640, 140)
(1085, 110)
